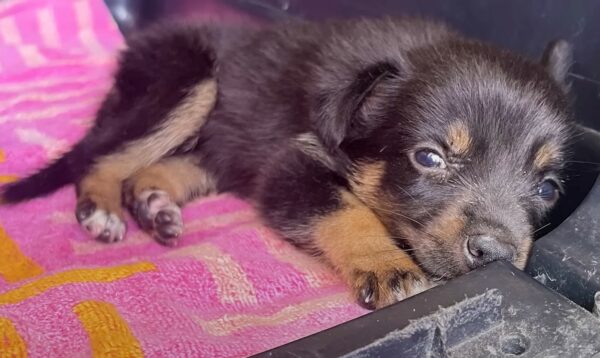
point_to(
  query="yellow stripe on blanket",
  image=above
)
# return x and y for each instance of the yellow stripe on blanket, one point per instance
(109, 334)
(7, 178)
(98, 275)
(14, 265)
(11, 343)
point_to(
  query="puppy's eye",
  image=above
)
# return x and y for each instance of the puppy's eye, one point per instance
(429, 159)
(548, 190)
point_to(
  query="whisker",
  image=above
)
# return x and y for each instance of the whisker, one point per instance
(427, 212)
(413, 220)
(540, 228)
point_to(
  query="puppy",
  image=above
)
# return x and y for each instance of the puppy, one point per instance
(396, 150)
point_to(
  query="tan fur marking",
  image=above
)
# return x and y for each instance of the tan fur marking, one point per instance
(104, 190)
(103, 184)
(442, 232)
(355, 235)
(184, 120)
(545, 155)
(353, 240)
(459, 138)
(366, 181)
(448, 225)
(180, 177)
(523, 254)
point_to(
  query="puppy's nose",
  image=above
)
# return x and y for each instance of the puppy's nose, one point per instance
(483, 249)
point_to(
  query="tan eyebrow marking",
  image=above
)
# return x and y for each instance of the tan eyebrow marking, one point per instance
(545, 155)
(459, 138)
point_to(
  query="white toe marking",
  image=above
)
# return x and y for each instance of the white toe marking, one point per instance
(101, 220)
(162, 202)
(399, 293)
(116, 227)
(418, 286)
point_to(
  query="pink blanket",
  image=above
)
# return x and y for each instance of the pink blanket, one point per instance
(232, 288)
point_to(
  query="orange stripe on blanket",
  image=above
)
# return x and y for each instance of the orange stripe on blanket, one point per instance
(228, 324)
(96, 275)
(109, 334)
(232, 284)
(11, 343)
(14, 265)
(7, 178)
(2, 156)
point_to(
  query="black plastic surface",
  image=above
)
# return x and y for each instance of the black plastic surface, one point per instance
(497, 311)
(568, 258)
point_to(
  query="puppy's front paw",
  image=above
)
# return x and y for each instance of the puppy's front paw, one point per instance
(102, 223)
(377, 289)
(156, 213)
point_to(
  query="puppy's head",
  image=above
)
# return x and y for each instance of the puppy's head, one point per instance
(461, 154)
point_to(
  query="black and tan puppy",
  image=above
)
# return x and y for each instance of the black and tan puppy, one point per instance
(397, 150)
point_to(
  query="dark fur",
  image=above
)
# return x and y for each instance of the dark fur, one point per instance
(366, 91)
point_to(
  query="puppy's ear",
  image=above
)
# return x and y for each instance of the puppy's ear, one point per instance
(351, 112)
(557, 59)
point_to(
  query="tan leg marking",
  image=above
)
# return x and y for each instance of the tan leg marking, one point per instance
(357, 244)
(99, 206)
(366, 182)
(155, 193)
(181, 177)
(99, 199)
(180, 125)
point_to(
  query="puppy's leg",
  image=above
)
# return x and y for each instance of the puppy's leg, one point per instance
(99, 204)
(354, 240)
(154, 194)
(99, 191)
(309, 205)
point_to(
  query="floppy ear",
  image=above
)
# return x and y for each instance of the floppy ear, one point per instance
(351, 113)
(557, 59)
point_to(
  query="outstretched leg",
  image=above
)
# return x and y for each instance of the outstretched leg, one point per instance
(155, 194)
(309, 204)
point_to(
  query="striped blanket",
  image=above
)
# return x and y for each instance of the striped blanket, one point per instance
(231, 288)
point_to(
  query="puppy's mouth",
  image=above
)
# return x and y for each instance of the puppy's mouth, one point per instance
(440, 262)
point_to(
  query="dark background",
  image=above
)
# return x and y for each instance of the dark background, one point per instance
(523, 26)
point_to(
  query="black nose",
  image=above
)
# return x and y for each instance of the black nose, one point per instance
(484, 249)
